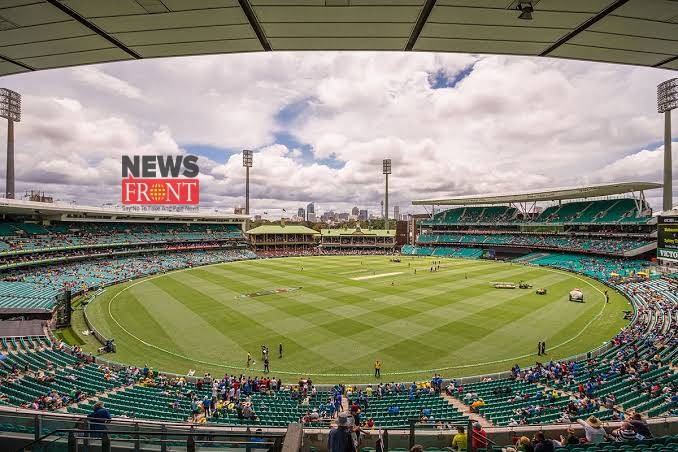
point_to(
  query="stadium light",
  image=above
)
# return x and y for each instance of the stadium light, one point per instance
(667, 100)
(247, 163)
(10, 109)
(386, 170)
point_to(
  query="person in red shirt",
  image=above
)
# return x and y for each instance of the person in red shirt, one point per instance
(479, 437)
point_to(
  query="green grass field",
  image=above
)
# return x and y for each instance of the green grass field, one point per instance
(334, 327)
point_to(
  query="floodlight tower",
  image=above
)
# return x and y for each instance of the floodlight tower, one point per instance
(10, 109)
(386, 169)
(667, 100)
(247, 163)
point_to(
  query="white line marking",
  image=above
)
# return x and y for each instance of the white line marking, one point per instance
(380, 275)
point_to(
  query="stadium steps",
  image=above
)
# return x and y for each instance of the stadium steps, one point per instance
(93, 399)
(530, 257)
(466, 411)
(640, 250)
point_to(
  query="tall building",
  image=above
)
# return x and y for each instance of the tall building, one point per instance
(310, 212)
(362, 215)
(396, 212)
(355, 211)
(301, 213)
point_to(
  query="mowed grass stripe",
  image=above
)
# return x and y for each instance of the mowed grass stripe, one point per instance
(338, 325)
(240, 327)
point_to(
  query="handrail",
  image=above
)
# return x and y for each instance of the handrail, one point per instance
(475, 435)
(163, 433)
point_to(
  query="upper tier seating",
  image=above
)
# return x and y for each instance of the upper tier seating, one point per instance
(605, 211)
(473, 215)
(25, 237)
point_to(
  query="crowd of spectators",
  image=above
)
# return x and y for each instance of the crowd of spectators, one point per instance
(91, 274)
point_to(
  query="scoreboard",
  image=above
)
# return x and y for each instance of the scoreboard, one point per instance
(667, 238)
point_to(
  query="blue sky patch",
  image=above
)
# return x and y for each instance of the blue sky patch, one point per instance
(440, 79)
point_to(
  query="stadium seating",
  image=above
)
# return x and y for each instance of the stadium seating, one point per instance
(38, 287)
(667, 443)
(441, 251)
(606, 211)
(37, 375)
(598, 267)
(611, 245)
(410, 408)
(634, 374)
(23, 295)
(18, 237)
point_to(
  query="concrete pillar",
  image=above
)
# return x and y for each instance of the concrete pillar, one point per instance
(247, 190)
(668, 169)
(386, 202)
(9, 177)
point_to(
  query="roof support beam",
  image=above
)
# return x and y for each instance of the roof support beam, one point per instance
(421, 21)
(666, 61)
(18, 63)
(254, 23)
(601, 15)
(83, 21)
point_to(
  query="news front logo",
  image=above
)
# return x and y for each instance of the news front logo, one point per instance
(160, 179)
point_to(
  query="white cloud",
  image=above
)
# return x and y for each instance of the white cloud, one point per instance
(513, 123)
(101, 80)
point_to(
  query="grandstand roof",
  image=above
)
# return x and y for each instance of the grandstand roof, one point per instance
(36, 35)
(73, 212)
(556, 194)
(281, 229)
(358, 231)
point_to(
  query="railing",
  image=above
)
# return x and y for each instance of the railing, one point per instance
(73, 432)
(135, 439)
(100, 337)
(448, 425)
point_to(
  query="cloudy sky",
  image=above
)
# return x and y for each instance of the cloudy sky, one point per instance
(320, 124)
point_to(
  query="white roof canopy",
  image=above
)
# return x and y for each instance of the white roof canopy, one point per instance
(73, 212)
(45, 34)
(557, 194)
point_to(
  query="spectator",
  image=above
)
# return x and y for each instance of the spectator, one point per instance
(525, 445)
(460, 440)
(478, 437)
(595, 433)
(98, 417)
(640, 426)
(625, 433)
(542, 443)
(340, 438)
(570, 438)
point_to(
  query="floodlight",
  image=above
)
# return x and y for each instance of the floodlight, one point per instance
(386, 166)
(247, 158)
(10, 105)
(10, 109)
(667, 100)
(667, 95)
